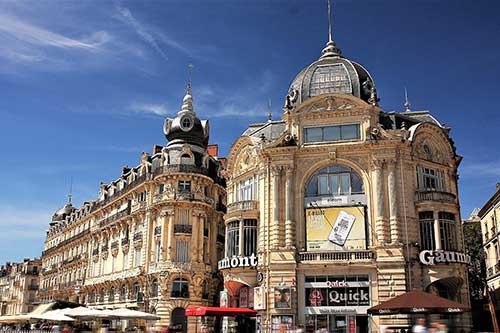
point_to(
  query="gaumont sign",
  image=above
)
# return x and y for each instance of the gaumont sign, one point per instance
(430, 257)
(238, 262)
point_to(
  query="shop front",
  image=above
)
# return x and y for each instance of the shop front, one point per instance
(337, 303)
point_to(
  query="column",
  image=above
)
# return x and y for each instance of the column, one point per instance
(380, 228)
(168, 233)
(275, 231)
(289, 224)
(393, 202)
(201, 222)
(195, 235)
(437, 231)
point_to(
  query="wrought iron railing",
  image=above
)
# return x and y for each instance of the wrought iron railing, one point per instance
(336, 256)
(183, 228)
(114, 217)
(438, 196)
(242, 206)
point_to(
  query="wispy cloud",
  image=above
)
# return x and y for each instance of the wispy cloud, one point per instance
(23, 222)
(150, 109)
(35, 35)
(126, 16)
(481, 169)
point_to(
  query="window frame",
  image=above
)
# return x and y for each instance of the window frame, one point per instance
(332, 127)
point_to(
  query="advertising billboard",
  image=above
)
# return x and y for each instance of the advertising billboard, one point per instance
(335, 228)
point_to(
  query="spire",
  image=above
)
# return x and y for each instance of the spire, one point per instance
(270, 114)
(331, 49)
(407, 103)
(187, 102)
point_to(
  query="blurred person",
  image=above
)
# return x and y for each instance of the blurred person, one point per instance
(419, 326)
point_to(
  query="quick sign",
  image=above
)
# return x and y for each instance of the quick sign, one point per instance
(238, 262)
(349, 296)
(430, 257)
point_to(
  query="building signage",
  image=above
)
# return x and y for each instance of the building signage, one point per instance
(430, 257)
(238, 262)
(349, 296)
(336, 228)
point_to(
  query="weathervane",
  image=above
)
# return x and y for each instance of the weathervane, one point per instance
(190, 71)
(407, 103)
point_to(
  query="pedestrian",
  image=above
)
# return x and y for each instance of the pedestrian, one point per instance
(419, 326)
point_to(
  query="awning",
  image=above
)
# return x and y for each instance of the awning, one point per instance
(417, 302)
(216, 311)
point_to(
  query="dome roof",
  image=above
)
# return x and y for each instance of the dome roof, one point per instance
(331, 73)
(61, 213)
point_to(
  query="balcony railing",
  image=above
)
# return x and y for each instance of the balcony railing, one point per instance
(32, 287)
(337, 256)
(157, 231)
(184, 195)
(95, 252)
(114, 217)
(242, 206)
(438, 196)
(114, 245)
(140, 179)
(138, 237)
(125, 241)
(104, 248)
(183, 228)
(181, 168)
(220, 238)
(490, 271)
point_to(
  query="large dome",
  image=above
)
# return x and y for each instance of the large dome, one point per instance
(331, 73)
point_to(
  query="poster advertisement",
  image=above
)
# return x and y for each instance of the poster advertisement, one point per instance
(224, 299)
(282, 323)
(336, 228)
(282, 297)
(258, 298)
(244, 297)
(250, 298)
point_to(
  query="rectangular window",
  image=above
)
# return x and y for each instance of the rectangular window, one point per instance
(427, 237)
(247, 189)
(233, 238)
(430, 179)
(113, 264)
(158, 251)
(332, 133)
(249, 237)
(137, 257)
(184, 186)
(125, 261)
(184, 216)
(182, 251)
(447, 226)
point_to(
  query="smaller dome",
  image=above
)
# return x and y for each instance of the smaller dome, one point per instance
(61, 213)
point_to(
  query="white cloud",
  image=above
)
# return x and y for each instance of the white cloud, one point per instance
(484, 169)
(126, 16)
(152, 109)
(23, 222)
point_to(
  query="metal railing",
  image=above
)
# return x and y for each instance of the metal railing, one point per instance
(438, 196)
(125, 241)
(139, 180)
(114, 217)
(183, 228)
(114, 245)
(157, 230)
(181, 168)
(242, 206)
(138, 237)
(337, 256)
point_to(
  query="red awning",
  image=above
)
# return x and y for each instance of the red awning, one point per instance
(214, 311)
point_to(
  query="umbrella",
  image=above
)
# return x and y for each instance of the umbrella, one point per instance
(82, 312)
(55, 315)
(132, 314)
(413, 302)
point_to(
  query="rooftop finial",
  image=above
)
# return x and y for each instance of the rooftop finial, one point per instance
(331, 49)
(70, 194)
(407, 103)
(190, 70)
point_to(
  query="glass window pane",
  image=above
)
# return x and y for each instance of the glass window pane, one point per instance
(323, 184)
(350, 132)
(331, 133)
(313, 134)
(312, 187)
(345, 185)
(334, 184)
(356, 184)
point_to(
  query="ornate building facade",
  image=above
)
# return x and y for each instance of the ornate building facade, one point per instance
(18, 287)
(152, 239)
(341, 205)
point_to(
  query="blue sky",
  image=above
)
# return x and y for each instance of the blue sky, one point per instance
(85, 85)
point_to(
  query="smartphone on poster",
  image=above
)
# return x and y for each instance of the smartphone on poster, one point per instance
(341, 228)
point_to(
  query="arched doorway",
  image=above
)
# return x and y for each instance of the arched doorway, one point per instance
(449, 288)
(179, 320)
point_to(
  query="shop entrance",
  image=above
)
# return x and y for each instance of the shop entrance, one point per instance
(179, 320)
(335, 323)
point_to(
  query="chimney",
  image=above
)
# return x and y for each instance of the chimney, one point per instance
(213, 150)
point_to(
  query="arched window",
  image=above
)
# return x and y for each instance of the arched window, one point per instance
(154, 288)
(180, 288)
(123, 292)
(334, 180)
(111, 294)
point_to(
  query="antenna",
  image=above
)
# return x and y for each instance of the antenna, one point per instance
(270, 114)
(70, 194)
(329, 22)
(407, 103)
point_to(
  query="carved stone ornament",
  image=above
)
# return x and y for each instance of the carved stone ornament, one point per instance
(291, 99)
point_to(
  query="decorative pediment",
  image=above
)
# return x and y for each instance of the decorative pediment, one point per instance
(430, 143)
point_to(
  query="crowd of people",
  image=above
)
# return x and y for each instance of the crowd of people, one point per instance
(434, 327)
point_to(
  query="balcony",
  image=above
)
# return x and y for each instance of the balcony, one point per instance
(181, 168)
(346, 256)
(157, 231)
(220, 238)
(114, 245)
(490, 271)
(138, 237)
(95, 252)
(139, 180)
(32, 287)
(125, 241)
(242, 206)
(184, 195)
(104, 248)
(437, 196)
(183, 228)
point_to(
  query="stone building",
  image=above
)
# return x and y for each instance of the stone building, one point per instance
(152, 238)
(18, 287)
(489, 216)
(344, 205)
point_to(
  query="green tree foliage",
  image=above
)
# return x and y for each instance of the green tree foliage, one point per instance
(477, 269)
